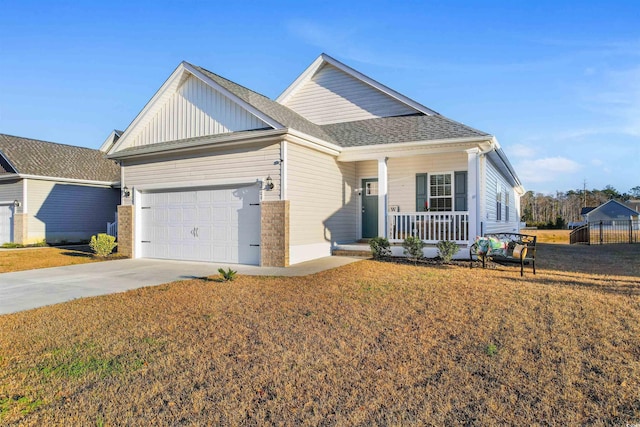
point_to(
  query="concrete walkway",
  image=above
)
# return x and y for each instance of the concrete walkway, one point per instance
(24, 290)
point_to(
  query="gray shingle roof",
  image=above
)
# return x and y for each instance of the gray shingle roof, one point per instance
(389, 130)
(41, 158)
(276, 111)
(385, 130)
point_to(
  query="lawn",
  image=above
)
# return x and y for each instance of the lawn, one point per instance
(29, 259)
(371, 343)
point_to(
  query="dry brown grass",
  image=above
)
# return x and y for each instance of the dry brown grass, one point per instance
(550, 236)
(369, 343)
(29, 259)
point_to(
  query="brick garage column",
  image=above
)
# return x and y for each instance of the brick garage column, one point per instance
(125, 230)
(20, 230)
(274, 239)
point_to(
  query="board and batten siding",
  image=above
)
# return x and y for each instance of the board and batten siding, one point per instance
(214, 168)
(492, 178)
(333, 96)
(195, 110)
(323, 205)
(10, 191)
(68, 212)
(402, 174)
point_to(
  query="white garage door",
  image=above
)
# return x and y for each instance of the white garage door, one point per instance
(217, 225)
(6, 223)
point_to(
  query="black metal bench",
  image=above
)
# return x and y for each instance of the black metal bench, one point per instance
(523, 244)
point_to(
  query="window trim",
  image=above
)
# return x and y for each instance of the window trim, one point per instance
(498, 201)
(451, 195)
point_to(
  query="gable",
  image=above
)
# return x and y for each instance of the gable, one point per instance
(611, 210)
(195, 109)
(333, 96)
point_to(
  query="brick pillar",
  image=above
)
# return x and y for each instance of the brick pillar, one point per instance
(125, 230)
(274, 239)
(20, 230)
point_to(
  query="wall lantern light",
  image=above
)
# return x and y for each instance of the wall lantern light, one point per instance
(126, 192)
(16, 203)
(268, 184)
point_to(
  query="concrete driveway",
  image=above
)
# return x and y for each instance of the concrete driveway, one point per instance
(24, 290)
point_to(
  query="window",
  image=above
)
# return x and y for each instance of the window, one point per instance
(371, 189)
(440, 194)
(506, 205)
(498, 202)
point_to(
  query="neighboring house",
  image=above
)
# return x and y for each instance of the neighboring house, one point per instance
(610, 213)
(217, 172)
(54, 192)
(633, 204)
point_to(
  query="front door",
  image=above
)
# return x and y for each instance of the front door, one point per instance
(369, 208)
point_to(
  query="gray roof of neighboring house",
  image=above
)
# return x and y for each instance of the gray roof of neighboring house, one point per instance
(389, 130)
(613, 209)
(385, 130)
(33, 157)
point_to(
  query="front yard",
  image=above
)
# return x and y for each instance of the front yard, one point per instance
(30, 259)
(368, 343)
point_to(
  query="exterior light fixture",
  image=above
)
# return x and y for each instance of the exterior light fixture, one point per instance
(126, 192)
(16, 203)
(268, 183)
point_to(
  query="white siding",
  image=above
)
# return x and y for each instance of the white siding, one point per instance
(248, 164)
(61, 211)
(10, 191)
(491, 179)
(333, 96)
(194, 110)
(322, 198)
(402, 174)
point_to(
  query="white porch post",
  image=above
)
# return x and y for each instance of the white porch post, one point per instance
(473, 193)
(382, 197)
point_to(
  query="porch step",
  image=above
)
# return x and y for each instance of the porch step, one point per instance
(351, 252)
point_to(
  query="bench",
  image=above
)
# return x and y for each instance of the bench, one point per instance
(505, 248)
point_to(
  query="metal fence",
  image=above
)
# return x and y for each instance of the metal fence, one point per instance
(603, 232)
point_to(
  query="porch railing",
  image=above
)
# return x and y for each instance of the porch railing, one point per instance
(112, 227)
(430, 227)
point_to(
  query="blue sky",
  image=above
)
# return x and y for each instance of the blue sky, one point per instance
(557, 82)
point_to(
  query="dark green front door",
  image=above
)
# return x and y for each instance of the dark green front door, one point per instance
(369, 208)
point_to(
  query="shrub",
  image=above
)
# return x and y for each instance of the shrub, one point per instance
(380, 247)
(102, 244)
(11, 245)
(227, 275)
(447, 249)
(413, 248)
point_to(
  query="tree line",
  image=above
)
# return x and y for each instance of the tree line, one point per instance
(558, 210)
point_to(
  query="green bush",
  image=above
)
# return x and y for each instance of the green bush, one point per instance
(102, 244)
(413, 248)
(227, 275)
(447, 249)
(380, 247)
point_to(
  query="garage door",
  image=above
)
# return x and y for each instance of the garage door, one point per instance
(219, 224)
(6, 223)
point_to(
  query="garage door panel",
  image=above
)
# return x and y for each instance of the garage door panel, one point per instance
(216, 225)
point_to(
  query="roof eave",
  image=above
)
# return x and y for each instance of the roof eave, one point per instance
(402, 149)
(203, 143)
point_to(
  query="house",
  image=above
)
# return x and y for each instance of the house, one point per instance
(214, 171)
(611, 213)
(633, 204)
(54, 192)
